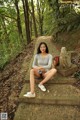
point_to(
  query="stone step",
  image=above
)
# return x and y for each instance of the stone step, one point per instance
(57, 79)
(46, 112)
(56, 94)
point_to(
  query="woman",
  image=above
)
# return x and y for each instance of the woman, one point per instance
(41, 67)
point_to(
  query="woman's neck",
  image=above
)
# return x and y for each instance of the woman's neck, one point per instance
(44, 54)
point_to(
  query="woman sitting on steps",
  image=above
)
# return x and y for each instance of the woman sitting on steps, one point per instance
(41, 67)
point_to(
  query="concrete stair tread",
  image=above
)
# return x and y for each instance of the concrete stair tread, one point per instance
(55, 94)
(46, 112)
(57, 79)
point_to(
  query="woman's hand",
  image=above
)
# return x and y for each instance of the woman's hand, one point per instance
(40, 67)
(36, 69)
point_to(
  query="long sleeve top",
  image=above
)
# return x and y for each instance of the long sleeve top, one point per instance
(45, 62)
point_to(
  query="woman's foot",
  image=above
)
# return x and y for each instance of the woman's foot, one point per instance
(42, 87)
(29, 95)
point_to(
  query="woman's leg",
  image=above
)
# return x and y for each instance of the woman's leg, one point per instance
(32, 80)
(48, 75)
(33, 73)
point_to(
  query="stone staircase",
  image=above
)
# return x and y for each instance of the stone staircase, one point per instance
(61, 101)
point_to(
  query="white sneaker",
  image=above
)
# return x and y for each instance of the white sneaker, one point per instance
(42, 87)
(29, 95)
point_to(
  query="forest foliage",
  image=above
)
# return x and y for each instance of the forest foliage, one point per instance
(23, 20)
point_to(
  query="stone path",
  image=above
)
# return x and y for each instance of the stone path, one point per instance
(61, 101)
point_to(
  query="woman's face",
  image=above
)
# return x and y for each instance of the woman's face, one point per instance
(43, 48)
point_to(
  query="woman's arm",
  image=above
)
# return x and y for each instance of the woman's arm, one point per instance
(34, 65)
(49, 63)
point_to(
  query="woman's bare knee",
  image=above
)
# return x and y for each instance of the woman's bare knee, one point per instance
(36, 72)
(53, 70)
(32, 70)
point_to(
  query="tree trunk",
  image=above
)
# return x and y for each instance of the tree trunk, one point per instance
(56, 14)
(26, 15)
(33, 15)
(40, 13)
(42, 18)
(57, 9)
(31, 23)
(18, 20)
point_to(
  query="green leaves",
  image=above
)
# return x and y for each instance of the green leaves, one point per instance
(10, 44)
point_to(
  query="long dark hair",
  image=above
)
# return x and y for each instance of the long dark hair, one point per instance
(38, 49)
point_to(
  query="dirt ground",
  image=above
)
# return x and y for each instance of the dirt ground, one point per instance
(12, 81)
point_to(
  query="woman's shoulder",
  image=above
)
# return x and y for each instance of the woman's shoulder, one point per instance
(36, 55)
(50, 55)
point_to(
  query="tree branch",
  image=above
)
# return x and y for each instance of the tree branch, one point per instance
(7, 16)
